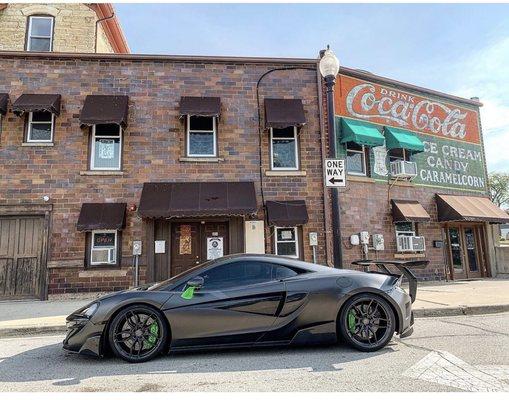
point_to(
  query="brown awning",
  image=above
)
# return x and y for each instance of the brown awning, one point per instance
(37, 102)
(408, 211)
(287, 213)
(4, 98)
(200, 106)
(196, 199)
(105, 109)
(101, 216)
(469, 208)
(282, 113)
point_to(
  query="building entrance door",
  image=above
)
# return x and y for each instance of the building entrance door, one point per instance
(466, 251)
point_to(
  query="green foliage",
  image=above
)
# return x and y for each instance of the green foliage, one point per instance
(499, 188)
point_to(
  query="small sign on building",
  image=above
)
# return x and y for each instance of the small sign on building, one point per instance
(334, 172)
(214, 247)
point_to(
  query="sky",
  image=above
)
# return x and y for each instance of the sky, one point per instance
(460, 49)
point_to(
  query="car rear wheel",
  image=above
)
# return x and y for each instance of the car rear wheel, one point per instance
(137, 333)
(367, 322)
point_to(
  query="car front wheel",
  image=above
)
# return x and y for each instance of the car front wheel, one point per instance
(137, 333)
(367, 322)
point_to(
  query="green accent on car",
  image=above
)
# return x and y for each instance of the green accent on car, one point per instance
(188, 294)
(401, 139)
(359, 132)
(351, 321)
(152, 339)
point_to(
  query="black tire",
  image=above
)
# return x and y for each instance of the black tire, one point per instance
(138, 333)
(371, 325)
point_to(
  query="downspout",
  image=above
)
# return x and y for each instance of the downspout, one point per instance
(97, 28)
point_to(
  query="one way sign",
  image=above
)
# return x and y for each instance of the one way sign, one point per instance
(334, 172)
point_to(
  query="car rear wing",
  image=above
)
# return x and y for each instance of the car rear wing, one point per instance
(403, 266)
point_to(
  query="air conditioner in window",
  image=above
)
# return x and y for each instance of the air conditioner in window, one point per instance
(407, 244)
(403, 169)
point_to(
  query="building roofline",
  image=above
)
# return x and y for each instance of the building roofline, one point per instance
(237, 60)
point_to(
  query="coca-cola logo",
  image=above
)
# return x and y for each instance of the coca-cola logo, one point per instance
(366, 102)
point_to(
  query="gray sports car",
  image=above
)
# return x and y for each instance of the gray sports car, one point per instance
(246, 300)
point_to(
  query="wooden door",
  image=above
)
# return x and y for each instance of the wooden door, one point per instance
(21, 251)
(466, 251)
(186, 245)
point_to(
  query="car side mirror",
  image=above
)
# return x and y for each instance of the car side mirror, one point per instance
(196, 282)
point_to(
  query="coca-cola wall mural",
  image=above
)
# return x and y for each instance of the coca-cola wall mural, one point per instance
(453, 156)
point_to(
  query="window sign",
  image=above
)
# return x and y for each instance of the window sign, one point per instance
(106, 149)
(214, 247)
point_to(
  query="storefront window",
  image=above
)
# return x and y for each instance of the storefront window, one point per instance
(287, 242)
(355, 159)
(103, 247)
(284, 152)
(106, 147)
(40, 127)
(201, 136)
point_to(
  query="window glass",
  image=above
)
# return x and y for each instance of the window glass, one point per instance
(284, 148)
(281, 272)
(355, 159)
(40, 127)
(40, 26)
(40, 31)
(405, 228)
(399, 155)
(287, 242)
(237, 274)
(201, 136)
(106, 147)
(103, 248)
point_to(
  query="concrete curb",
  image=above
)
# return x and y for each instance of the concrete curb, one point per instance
(422, 313)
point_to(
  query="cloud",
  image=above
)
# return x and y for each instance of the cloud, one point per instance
(484, 74)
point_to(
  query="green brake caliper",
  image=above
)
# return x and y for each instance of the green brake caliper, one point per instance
(351, 321)
(152, 339)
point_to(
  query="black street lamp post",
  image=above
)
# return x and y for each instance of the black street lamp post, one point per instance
(329, 68)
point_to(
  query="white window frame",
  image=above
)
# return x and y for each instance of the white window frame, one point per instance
(29, 36)
(296, 235)
(364, 163)
(29, 128)
(115, 247)
(295, 138)
(92, 150)
(405, 233)
(188, 137)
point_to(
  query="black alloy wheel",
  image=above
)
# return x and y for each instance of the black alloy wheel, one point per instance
(137, 333)
(367, 322)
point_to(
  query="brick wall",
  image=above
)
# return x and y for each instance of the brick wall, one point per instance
(153, 145)
(74, 27)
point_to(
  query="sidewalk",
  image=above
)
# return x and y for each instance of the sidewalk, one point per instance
(433, 299)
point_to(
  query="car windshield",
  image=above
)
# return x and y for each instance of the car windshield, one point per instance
(175, 278)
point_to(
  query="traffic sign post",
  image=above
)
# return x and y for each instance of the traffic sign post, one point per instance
(334, 169)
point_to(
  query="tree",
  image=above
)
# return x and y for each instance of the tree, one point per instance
(499, 188)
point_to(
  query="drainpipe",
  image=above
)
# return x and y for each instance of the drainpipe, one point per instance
(97, 28)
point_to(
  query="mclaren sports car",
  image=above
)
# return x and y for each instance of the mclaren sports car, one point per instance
(245, 301)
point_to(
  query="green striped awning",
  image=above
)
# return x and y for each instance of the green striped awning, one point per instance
(360, 133)
(400, 139)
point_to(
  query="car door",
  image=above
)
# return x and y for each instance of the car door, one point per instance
(238, 302)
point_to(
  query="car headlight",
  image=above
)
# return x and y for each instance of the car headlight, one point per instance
(89, 310)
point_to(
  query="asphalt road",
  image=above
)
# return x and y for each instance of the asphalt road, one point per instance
(445, 354)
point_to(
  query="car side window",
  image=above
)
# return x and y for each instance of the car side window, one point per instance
(281, 272)
(237, 274)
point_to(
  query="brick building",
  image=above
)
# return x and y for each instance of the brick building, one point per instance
(65, 27)
(181, 153)
(416, 176)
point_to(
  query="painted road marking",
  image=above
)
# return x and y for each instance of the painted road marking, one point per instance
(446, 369)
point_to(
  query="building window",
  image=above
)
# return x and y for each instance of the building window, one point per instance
(40, 127)
(356, 159)
(283, 148)
(399, 155)
(106, 147)
(287, 242)
(201, 136)
(103, 249)
(405, 229)
(40, 33)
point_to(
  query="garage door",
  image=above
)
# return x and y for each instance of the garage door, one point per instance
(21, 253)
